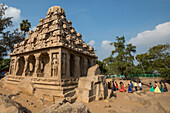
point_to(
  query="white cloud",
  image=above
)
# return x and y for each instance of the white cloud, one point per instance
(13, 12)
(146, 39)
(105, 50)
(106, 45)
(91, 43)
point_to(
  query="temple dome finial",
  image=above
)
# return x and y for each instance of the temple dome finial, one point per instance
(55, 9)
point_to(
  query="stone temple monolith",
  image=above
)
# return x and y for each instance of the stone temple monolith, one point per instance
(53, 57)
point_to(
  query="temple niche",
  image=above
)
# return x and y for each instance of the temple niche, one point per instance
(53, 56)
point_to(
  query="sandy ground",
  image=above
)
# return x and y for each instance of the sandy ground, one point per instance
(118, 103)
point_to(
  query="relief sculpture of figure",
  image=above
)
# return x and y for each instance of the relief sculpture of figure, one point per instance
(55, 65)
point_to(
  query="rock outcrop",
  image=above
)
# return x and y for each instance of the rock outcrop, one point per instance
(93, 87)
(25, 86)
(151, 104)
(61, 106)
(9, 106)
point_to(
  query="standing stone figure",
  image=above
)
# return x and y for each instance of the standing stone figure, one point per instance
(55, 65)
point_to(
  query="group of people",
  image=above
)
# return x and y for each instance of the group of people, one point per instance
(159, 87)
(136, 85)
(114, 86)
(4, 73)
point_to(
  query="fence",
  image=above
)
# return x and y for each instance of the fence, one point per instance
(134, 75)
(144, 75)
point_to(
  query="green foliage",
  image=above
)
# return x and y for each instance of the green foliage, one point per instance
(4, 21)
(101, 66)
(157, 58)
(4, 65)
(9, 39)
(25, 26)
(121, 59)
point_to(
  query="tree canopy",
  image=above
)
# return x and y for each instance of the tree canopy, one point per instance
(8, 38)
(121, 60)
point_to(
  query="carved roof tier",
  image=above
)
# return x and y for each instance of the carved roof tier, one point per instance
(52, 31)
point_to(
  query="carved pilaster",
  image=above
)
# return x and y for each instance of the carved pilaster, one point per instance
(68, 66)
(77, 66)
(85, 63)
(25, 66)
(37, 65)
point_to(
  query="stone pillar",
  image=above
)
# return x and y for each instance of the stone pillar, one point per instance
(68, 66)
(59, 67)
(37, 64)
(85, 63)
(16, 65)
(94, 62)
(77, 66)
(26, 65)
(12, 66)
(91, 62)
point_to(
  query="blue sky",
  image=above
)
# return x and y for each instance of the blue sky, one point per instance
(144, 23)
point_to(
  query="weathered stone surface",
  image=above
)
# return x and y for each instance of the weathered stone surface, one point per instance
(93, 87)
(152, 106)
(9, 106)
(25, 86)
(66, 108)
(95, 70)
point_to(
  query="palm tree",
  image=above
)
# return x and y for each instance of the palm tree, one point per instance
(25, 26)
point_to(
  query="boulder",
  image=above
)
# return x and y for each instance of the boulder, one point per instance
(25, 86)
(66, 108)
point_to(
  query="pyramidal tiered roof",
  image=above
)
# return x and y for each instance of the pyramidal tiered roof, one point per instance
(55, 30)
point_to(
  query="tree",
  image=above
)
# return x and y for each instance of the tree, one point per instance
(130, 58)
(101, 66)
(121, 59)
(143, 61)
(157, 58)
(120, 51)
(25, 26)
(5, 22)
(4, 65)
(9, 39)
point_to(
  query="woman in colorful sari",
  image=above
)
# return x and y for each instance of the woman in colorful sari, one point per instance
(157, 90)
(152, 89)
(129, 89)
(161, 87)
(116, 85)
(165, 88)
(122, 88)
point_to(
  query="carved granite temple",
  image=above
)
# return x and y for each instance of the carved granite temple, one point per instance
(53, 56)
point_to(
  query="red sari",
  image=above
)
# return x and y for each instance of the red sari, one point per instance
(122, 89)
